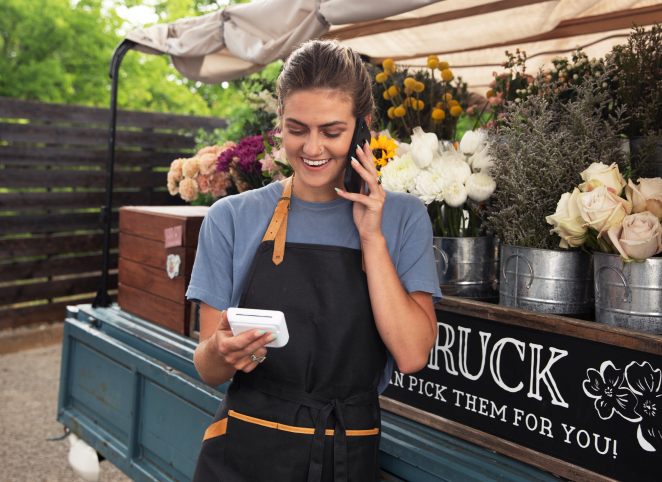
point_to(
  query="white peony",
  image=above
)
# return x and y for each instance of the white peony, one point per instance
(480, 187)
(481, 161)
(430, 185)
(399, 174)
(456, 194)
(457, 170)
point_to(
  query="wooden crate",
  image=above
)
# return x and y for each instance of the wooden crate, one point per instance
(144, 287)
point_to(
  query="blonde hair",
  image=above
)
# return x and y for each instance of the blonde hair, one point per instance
(328, 65)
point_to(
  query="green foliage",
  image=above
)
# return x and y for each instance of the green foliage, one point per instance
(59, 51)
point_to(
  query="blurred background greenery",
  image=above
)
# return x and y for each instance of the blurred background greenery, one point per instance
(59, 51)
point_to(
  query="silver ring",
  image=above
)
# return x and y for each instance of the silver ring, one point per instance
(258, 359)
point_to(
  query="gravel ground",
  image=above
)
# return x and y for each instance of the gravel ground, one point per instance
(29, 382)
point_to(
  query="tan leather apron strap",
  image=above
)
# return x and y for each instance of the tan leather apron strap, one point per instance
(277, 229)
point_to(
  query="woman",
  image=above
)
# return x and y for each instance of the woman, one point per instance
(309, 411)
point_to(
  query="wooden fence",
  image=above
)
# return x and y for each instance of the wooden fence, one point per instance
(52, 179)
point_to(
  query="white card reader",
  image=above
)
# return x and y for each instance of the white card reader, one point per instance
(244, 319)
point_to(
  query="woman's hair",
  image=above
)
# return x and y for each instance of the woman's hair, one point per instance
(328, 65)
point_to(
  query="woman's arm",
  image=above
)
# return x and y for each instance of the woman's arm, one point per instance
(220, 354)
(406, 322)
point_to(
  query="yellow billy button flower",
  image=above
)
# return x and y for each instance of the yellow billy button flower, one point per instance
(433, 64)
(381, 77)
(447, 97)
(389, 71)
(438, 114)
(420, 105)
(453, 103)
(410, 82)
(386, 96)
(443, 65)
(456, 111)
(447, 75)
(393, 91)
(419, 87)
(400, 111)
(408, 102)
(489, 93)
(388, 64)
(433, 57)
(408, 91)
(390, 112)
(441, 105)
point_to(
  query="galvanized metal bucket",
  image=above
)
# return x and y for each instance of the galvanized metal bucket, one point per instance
(629, 296)
(468, 267)
(558, 282)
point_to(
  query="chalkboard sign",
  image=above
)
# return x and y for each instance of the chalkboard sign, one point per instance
(592, 404)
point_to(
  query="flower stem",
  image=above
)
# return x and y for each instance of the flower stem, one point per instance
(440, 218)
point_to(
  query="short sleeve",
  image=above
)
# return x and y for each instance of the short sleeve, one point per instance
(416, 262)
(211, 279)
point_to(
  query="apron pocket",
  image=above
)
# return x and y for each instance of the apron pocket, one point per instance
(292, 456)
(249, 448)
(363, 458)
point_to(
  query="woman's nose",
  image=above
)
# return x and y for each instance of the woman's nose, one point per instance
(313, 147)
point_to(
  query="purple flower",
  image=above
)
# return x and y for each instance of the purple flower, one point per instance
(243, 156)
(647, 384)
(605, 387)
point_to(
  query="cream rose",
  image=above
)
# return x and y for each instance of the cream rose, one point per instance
(601, 209)
(646, 197)
(567, 221)
(599, 174)
(188, 189)
(204, 183)
(191, 167)
(176, 169)
(172, 188)
(638, 237)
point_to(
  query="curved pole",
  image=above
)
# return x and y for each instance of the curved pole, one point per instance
(102, 299)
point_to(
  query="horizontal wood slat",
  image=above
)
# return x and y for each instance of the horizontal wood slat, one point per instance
(16, 317)
(82, 136)
(19, 270)
(154, 253)
(40, 111)
(72, 156)
(159, 310)
(36, 201)
(152, 280)
(22, 178)
(53, 289)
(54, 245)
(52, 223)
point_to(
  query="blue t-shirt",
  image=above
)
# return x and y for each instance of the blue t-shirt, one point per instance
(235, 225)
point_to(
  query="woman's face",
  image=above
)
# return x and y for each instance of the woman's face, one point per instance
(317, 129)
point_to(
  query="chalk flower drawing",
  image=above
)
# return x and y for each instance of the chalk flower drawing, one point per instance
(610, 396)
(646, 383)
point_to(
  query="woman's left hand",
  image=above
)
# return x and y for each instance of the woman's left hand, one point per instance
(367, 208)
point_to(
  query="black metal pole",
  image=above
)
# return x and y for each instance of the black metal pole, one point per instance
(102, 299)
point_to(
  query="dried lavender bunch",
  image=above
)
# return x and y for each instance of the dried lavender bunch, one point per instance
(540, 149)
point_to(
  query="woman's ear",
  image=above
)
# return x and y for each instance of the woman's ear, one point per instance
(368, 119)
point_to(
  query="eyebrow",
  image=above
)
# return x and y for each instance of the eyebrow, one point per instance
(328, 124)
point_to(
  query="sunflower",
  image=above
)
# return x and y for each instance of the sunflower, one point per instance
(382, 149)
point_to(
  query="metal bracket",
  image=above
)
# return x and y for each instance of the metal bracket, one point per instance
(443, 255)
(505, 264)
(627, 296)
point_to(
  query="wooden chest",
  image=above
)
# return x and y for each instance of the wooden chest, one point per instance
(145, 288)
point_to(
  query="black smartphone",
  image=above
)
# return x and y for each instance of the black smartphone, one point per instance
(361, 135)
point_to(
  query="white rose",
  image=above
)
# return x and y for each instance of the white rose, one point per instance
(456, 194)
(480, 187)
(399, 174)
(567, 221)
(638, 237)
(601, 209)
(599, 174)
(647, 196)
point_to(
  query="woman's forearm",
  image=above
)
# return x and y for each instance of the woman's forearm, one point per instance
(407, 328)
(211, 364)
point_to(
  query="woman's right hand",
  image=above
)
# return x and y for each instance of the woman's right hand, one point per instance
(236, 350)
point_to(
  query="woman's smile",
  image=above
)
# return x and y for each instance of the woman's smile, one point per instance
(315, 163)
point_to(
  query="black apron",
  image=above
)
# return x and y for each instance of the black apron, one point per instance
(310, 412)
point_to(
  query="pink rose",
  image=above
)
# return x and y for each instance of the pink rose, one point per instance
(204, 182)
(638, 237)
(176, 169)
(191, 167)
(219, 184)
(188, 189)
(205, 150)
(646, 197)
(208, 163)
(601, 209)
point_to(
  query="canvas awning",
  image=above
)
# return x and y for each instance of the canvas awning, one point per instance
(469, 34)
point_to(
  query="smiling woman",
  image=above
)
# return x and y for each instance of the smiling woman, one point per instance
(354, 274)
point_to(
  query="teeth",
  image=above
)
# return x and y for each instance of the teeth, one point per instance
(314, 163)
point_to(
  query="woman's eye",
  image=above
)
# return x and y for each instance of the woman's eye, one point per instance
(332, 136)
(295, 133)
